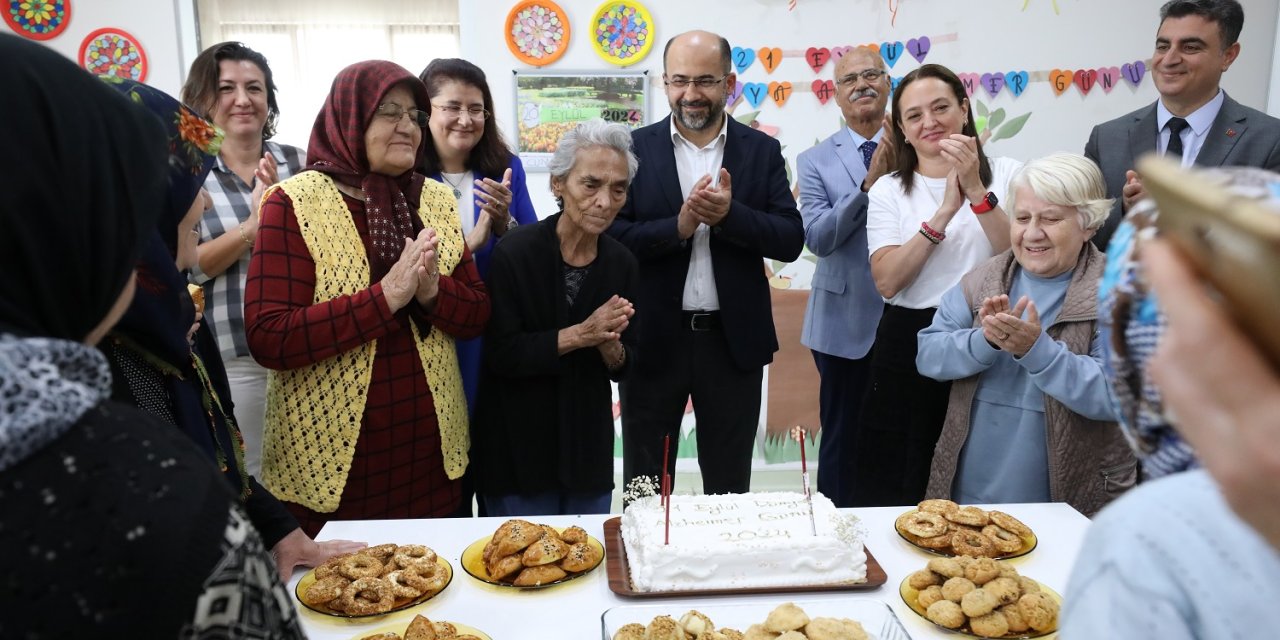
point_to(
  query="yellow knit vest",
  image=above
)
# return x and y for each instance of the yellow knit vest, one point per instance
(314, 412)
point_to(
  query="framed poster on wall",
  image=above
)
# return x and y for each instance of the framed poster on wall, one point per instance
(550, 103)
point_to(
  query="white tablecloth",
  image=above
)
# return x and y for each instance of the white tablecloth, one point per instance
(573, 610)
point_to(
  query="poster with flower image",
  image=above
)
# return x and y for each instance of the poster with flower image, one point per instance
(550, 104)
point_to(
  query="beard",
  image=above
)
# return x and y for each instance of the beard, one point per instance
(698, 122)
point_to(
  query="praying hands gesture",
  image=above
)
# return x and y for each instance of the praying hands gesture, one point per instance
(415, 276)
(1005, 329)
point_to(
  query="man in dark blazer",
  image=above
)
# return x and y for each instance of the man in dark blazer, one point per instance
(711, 201)
(844, 306)
(1197, 41)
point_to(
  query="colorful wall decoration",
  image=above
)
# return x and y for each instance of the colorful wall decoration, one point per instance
(38, 19)
(112, 51)
(537, 32)
(622, 32)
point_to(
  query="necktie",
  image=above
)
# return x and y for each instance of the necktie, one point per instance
(1175, 125)
(867, 148)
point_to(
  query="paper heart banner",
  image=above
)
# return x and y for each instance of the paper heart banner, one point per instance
(1017, 82)
(838, 52)
(780, 92)
(743, 58)
(755, 93)
(817, 58)
(891, 52)
(770, 57)
(1133, 72)
(1060, 80)
(1108, 77)
(919, 47)
(823, 89)
(1085, 79)
(733, 95)
(992, 83)
(970, 82)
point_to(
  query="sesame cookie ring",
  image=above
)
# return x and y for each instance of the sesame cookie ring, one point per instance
(400, 589)
(1002, 539)
(360, 566)
(1009, 523)
(923, 524)
(369, 596)
(971, 543)
(415, 555)
(969, 516)
(940, 507)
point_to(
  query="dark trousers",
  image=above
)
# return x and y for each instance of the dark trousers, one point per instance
(726, 404)
(844, 384)
(902, 416)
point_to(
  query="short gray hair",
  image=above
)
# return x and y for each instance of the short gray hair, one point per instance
(1065, 179)
(593, 133)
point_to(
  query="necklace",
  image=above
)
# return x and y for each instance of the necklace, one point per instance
(457, 186)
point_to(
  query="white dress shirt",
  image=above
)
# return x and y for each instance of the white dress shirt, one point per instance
(692, 163)
(1193, 137)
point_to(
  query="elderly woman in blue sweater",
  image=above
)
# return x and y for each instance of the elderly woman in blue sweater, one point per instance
(1031, 417)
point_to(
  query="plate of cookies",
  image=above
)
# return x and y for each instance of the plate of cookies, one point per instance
(945, 528)
(526, 555)
(423, 628)
(374, 581)
(982, 598)
(833, 619)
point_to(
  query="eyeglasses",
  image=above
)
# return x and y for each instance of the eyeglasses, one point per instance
(393, 112)
(702, 82)
(456, 111)
(870, 75)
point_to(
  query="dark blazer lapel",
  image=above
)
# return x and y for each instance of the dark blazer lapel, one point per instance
(1218, 142)
(665, 167)
(735, 149)
(1143, 136)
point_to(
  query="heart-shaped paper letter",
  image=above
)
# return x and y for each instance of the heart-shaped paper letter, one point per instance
(770, 57)
(824, 89)
(817, 58)
(780, 92)
(992, 83)
(1060, 80)
(743, 58)
(1017, 82)
(918, 48)
(755, 92)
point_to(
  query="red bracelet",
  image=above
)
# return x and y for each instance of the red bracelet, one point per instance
(932, 234)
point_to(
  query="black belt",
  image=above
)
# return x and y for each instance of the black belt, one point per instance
(700, 320)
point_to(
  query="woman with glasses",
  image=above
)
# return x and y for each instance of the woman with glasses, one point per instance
(359, 285)
(465, 151)
(231, 85)
(928, 223)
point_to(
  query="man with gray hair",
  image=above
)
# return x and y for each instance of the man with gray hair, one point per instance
(844, 307)
(1194, 120)
(710, 203)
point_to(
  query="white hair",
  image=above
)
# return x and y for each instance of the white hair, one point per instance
(593, 133)
(1066, 179)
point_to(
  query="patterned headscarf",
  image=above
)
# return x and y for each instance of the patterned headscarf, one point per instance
(337, 148)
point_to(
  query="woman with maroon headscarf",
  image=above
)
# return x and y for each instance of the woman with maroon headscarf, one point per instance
(359, 283)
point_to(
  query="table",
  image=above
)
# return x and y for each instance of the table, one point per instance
(573, 610)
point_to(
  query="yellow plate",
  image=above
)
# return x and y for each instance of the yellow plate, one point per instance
(400, 627)
(473, 563)
(1029, 542)
(401, 603)
(909, 596)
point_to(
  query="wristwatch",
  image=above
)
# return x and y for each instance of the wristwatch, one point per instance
(512, 222)
(988, 203)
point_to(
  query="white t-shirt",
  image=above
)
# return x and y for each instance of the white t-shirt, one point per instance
(893, 218)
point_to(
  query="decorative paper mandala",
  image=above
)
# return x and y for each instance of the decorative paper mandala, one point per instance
(622, 32)
(38, 19)
(114, 52)
(537, 32)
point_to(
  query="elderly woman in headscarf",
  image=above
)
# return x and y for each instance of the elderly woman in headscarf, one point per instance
(113, 521)
(359, 283)
(165, 361)
(561, 289)
(1031, 417)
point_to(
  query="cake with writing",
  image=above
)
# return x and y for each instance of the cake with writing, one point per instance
(739, 541)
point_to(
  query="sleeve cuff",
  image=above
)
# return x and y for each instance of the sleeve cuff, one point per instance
(1039, 355)
(982, 350)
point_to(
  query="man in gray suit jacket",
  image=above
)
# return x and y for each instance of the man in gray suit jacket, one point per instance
(844, 306)
(1194, 119)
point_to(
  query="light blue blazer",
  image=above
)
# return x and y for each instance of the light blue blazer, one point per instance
(844, 306)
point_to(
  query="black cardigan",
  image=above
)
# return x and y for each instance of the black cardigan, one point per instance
(544, 422)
